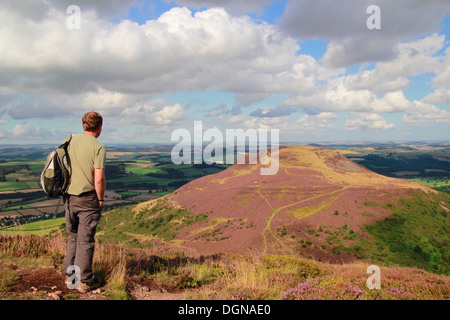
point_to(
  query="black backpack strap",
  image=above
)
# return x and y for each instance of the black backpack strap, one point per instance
(67, 141)
(65, 145)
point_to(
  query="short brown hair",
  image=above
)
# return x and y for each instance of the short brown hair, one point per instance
(92, 121)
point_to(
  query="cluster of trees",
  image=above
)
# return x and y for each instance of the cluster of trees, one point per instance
(168, 178)
(388, 164)
(4, 170)
(17, 220)
(26, 196)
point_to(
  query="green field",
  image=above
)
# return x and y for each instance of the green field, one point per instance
(20, 174)
(141, 170)
(16, 207)
(141, 175)
(39, 228)
(13, 186)
(433, 182)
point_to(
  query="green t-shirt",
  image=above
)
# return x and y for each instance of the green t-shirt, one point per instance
(86, 153)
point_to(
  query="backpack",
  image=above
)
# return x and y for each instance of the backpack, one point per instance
(55, 178)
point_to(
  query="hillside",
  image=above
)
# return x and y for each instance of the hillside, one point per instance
(319, 205)
(30, 269)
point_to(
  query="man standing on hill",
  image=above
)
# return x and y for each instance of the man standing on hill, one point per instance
(84, 200)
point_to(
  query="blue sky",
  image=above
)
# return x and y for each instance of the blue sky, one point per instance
(311, 69)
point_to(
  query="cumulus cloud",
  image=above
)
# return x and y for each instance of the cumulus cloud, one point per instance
(272, 113)
(315, 125)
(122, 68)
(177, 52)
(423, 112)
(380, 89)
(344, 24)
(368, 122)
(50, 106)
(233, 6)
(38, 9)
(441, 82)
(411, 59)
(155, 114)
(29, 132)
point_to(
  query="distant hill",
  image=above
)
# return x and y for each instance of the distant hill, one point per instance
(319, 205)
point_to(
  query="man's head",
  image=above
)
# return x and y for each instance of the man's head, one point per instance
(92, 122)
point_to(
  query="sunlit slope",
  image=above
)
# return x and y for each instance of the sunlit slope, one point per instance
(318, 205)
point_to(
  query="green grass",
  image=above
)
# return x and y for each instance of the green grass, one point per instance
(161, 194)
(39, 228)
(20, 180)
(140, 170)
(130, 193)
(218, 277)
(291, 265)
(432, 182)
(166, 174)
(125, 226)
(417, 234)
(17, 207)
(12, 185)
(9, 163)
(8, 278)
(37, 167)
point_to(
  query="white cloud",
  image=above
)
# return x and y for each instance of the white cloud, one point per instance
(169, 115)
(156, 115)
(379, 90)
(307, 125)
(411, 59)
(368, 122)
(65, 105)
(29, 132)
(441, 82)
(177, 52)
(315, 125)
(119, 68)
(38, 9)
(236, 119)
(103, 99)
(423, 112)
(233, 6)
(344, 23)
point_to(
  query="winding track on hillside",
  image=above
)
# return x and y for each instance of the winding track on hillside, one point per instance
(275, 211)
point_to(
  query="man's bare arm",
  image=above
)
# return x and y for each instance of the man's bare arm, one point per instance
(100, 184)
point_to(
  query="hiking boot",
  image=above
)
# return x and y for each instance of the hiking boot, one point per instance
(69, 281)
(85, 287)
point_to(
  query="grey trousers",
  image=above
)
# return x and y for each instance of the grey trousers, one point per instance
(82, 217)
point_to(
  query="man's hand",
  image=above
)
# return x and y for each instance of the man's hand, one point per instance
(100, 184)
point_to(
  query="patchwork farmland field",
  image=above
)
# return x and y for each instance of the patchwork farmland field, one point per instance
(134, 174)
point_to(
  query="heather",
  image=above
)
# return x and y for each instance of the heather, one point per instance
(141, 274)
(349, 283)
